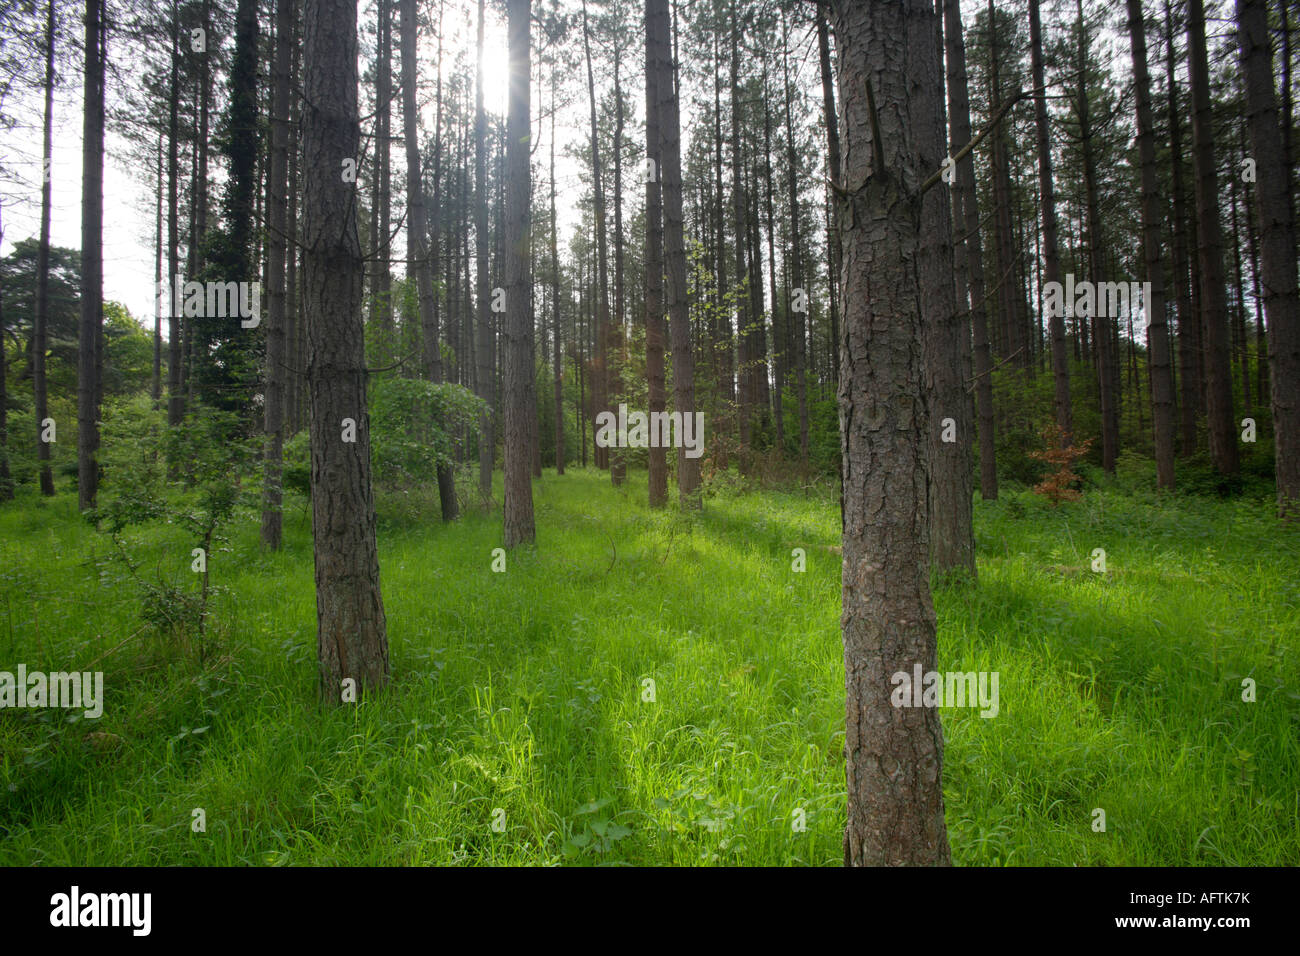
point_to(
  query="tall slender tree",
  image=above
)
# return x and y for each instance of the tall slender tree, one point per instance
(91, 325)
(40, 321)
(518, 510)
(1209, 251)
(1162, 386)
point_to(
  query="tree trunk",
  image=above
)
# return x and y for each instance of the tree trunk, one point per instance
(417, 236)
(888, 72)
(1214, 310)
(518, 518)
(381, 306)
(352, 640)
(1051, 249)
(557, 366)
(484, 346)
(1188, 321)
(654, 269)
(278, 203)
(966, 200)
(1277, 249)
(1162, 386)
(797, 317)
(833, 164)
(90, 327)
(1103, 325)
(175, 398)
(41, 319)
(952, 535)
(600, 371)
(688, 469)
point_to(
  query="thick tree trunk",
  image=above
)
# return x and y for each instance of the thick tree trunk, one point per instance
(518, 519)
(1277, 249)
(888, 72)
(1214, 309)
(352, 641)
(1162, 386)
(90, 326)
(670, 137)
(278, 203)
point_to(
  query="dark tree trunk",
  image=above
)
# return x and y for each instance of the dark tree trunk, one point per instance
(417, 237)
(557, 368)
(1051, 248)
(952, 535)
(688, 469)
(90, 327)
(278, 203)
(888, 67)
(967, 202)
(41, 319)
(600, 371)
(485, 340)
(1162, 386)
(518, 518)
(1214, 308)
(654, 267)
(175, 397)
(1277, 249)
(352, 640)
(833, 164)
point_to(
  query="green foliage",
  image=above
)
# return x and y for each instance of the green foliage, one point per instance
(523, 691)
(417, 425)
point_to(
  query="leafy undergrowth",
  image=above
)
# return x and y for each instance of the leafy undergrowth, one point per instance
(519, 727)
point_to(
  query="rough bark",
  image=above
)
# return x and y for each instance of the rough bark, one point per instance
(1277, 246)
(352, 641)
(888, 65)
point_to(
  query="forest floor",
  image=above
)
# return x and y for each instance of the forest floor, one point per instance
(519, 728)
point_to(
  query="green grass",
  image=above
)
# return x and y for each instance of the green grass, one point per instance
(523, 691)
